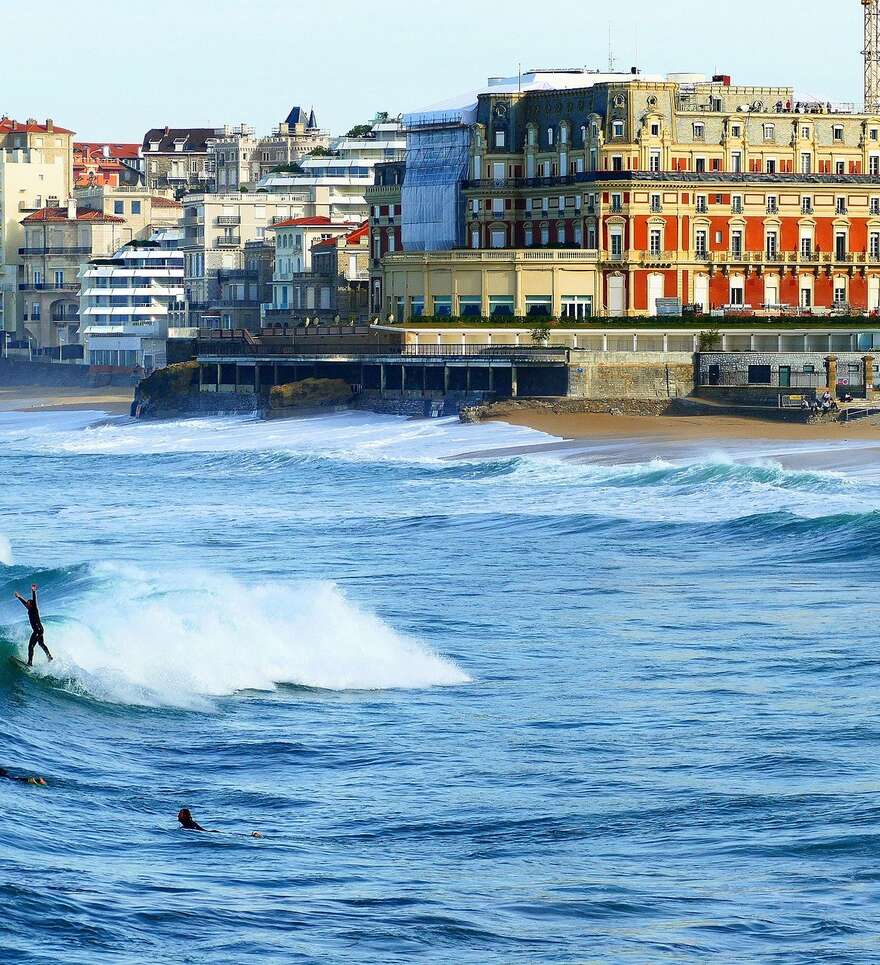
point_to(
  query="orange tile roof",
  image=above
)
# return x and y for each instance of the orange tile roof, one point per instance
(60, 214)
(117, 151)
(160, 202)
(303, 222)
(8, 125)
(356, 237)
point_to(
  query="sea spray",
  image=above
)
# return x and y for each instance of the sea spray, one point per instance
(5, 551)
(176, 639)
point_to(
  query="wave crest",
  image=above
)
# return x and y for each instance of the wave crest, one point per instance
(136, 638)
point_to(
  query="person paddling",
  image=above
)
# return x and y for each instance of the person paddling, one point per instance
(36, 624)
(6, 776)
(189, 823)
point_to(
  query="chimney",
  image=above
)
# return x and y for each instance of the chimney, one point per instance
(71, 209)
(167, 130)
(32, 120)
(50, 125)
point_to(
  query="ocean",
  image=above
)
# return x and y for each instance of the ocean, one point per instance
(610, 703)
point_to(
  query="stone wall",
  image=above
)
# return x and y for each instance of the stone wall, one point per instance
(22, 372)
(626, 375)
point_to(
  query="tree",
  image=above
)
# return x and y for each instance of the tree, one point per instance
(360, 130)
(320, 152)
(541, 334)
(709, 340)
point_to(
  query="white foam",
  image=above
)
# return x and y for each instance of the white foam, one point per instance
(344, 435)
(5, 551)
(145, 639)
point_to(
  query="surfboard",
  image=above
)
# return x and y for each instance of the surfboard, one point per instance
(19, 663)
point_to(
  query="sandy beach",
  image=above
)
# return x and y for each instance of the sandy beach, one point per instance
(114, 400)
(697, 428)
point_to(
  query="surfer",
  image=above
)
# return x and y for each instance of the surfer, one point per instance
(189, 823)
(36, 624)
(41, 781)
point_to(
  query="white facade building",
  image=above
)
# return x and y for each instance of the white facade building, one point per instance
(337, 183)
(129, 301)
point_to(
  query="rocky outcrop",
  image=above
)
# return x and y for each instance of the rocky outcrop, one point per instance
(308, 395)
(168, 393)
(498, 410)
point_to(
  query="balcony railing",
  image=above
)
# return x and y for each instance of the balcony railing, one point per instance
(55, 250)
(227, 219)
(230, 241)
(67, 286)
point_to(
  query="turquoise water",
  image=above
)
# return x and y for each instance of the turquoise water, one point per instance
(612, 704)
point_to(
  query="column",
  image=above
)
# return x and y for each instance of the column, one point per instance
(402, 380)
(467, 375)
(868, 372)
(831, 373)
(779, 343)
(200, 376)
(382, 380)
(445, 379)
(604, 341)
(513, 381)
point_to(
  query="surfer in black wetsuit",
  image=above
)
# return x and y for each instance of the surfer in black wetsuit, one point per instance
(189, 823)
(41, 781)
(36, 624)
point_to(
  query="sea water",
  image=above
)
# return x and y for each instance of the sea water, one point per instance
(615, 702)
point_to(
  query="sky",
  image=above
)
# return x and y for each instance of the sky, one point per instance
(111, 70)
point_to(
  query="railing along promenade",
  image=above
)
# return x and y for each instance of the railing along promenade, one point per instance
(254, 348)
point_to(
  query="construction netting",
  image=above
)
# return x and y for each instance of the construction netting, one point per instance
(433, 206)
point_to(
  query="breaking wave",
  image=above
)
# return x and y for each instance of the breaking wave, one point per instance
(136, 638)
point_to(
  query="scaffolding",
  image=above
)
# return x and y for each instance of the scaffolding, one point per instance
(437, 157)
(872, 56)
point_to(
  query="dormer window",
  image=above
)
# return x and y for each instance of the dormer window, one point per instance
(655, 130)
(736, 131)
(805, 133)
(617, 129)
(499, 139)
(769, 132)
(838, 132)
(699, 132)
(550, 136)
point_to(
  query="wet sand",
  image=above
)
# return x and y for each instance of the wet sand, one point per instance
(114, 400)
(605, 439)
(696, 428)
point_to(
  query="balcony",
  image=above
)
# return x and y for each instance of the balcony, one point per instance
(68, 286)
(230, 241)
(47, 250)
(227, 219)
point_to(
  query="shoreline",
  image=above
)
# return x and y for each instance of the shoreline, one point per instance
(113, 400)
(586, 426)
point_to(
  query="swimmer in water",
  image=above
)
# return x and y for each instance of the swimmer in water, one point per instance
(36, 624)
(189, 823)
(39, 781)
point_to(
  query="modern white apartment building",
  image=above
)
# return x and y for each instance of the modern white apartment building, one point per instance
(129, 301)
(337, 183)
